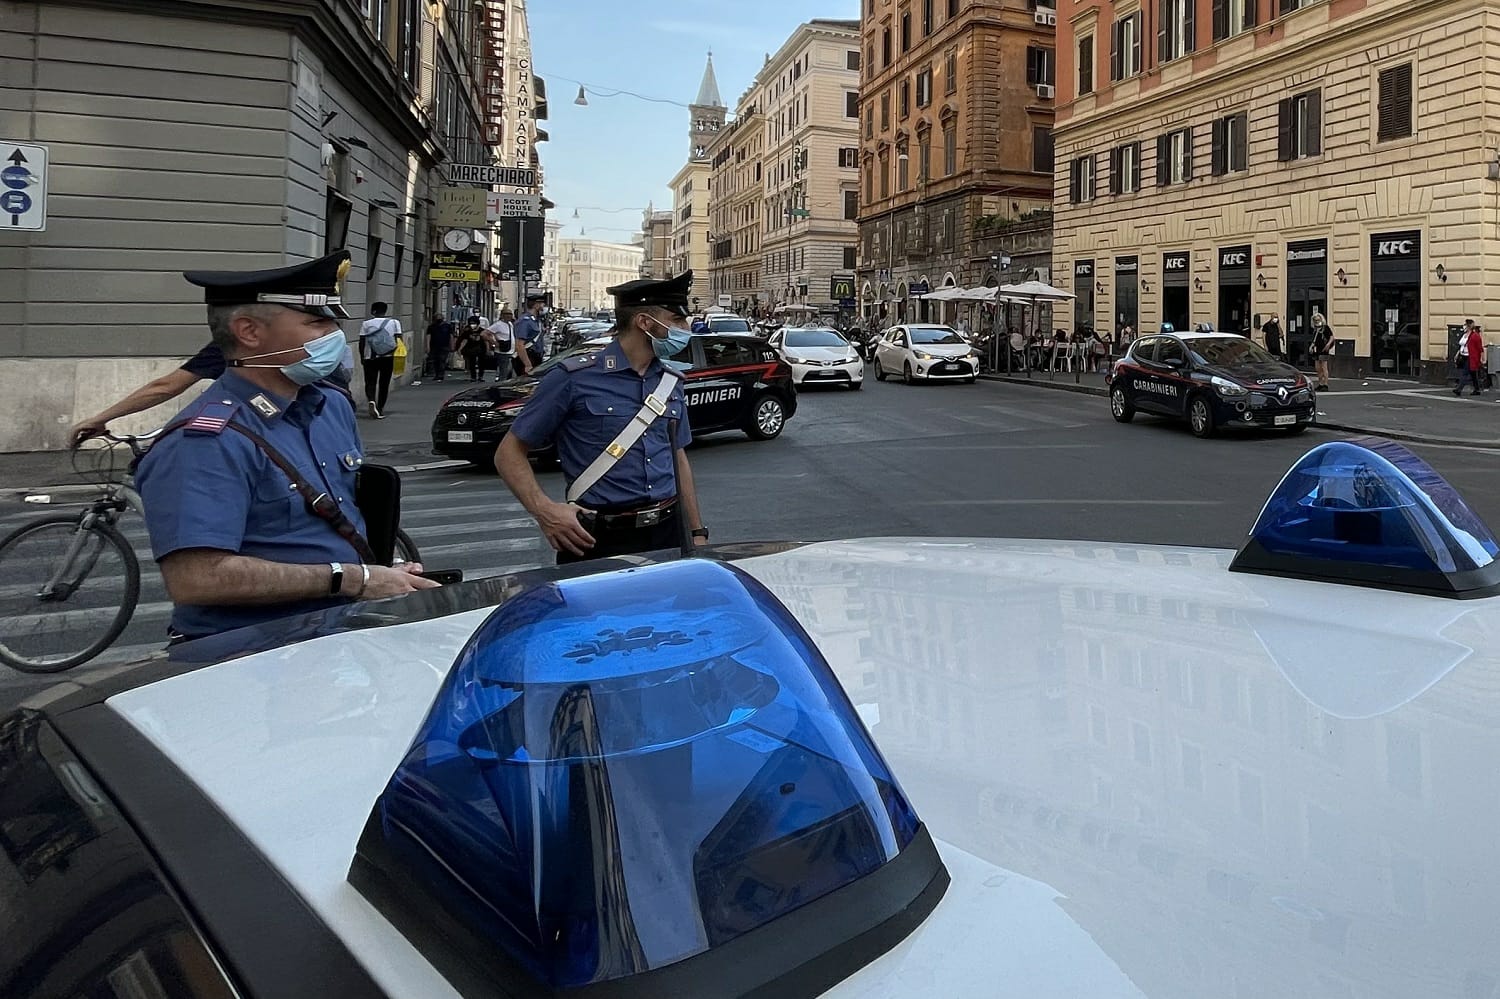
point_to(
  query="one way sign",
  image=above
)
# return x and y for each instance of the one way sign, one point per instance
(23, 187)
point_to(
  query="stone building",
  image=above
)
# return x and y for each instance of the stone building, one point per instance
(313, 125)
(735, 205)
(588, 267)
(1223, 162)
(656, 244)
(956, 99)
(690, 188)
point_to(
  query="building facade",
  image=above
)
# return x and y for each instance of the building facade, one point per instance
(734, 206)
(588, 267)
(551, 233)
(956, 102)
(656, 244)
(690, 188)
(1230, 162)
(808, 97)
(314, 125)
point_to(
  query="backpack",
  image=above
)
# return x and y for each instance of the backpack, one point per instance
(383, 340)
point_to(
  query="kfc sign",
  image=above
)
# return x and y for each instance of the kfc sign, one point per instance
(1175, 262)
(1397, 247)
(1234, 259)
(1083, 268)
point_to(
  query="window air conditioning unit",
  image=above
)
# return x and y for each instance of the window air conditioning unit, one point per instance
(1046, 17)
(1046, 91)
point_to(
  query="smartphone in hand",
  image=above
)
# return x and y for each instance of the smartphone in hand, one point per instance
(446, 577)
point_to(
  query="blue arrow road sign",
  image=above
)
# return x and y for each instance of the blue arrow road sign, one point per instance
(15, 177)
(23, 188)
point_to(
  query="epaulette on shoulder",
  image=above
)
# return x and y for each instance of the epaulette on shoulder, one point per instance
(211, 420)
(572, 364)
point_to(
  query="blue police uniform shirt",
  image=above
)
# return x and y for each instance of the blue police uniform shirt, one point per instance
(207, 488)
(586, 408)
(527, 329)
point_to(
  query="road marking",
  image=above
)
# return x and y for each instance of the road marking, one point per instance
(1006, 447)
(1066, 502)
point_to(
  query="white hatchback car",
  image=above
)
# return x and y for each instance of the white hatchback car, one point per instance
(818, 354)
(919, 351)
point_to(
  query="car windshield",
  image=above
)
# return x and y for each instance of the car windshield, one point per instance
(1228, 351)
(934, 334)
(814, 338)
(732, 324)
(556, 359)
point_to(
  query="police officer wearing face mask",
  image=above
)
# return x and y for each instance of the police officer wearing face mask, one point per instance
(236, 542)
(620, 422)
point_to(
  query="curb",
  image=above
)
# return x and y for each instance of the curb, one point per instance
(1398, 435)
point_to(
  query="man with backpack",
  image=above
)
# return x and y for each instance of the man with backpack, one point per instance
(504, 333)
(377, 351)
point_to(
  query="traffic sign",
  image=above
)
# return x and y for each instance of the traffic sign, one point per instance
(513, 206)
(478, 173)
(23, 203)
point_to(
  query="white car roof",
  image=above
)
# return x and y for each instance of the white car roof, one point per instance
(1147, 775)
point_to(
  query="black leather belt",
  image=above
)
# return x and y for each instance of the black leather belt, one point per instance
(633, 519)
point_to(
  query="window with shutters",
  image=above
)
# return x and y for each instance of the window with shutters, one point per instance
(906, 31)
(1041, 65)
(1299, 126)
(926, 17)
(1082, 183)
(851, 205)
(1041, 149)
(1125, 169)
(885, 46)
(885, 110)
(1231, 145)
(950, 150)
(1287, 6)
(924, 157)
(1086, 64)
(1394, 110)
(869, 185)
(870, 122)
(851, 59)
(1175, 29)
(924, 87)
(848, 157)
(1231, 17)
(1125, 47)
(885, 176)
(849, 261)
(1174, 157)
(952, 8)
(950, 72)
(903, 102)
(851, 104)
(903, 169)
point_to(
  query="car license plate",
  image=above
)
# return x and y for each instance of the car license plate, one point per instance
(948, 366)
(1287, 420)
(460, 437)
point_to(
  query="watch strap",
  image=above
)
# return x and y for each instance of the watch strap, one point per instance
(335, 578)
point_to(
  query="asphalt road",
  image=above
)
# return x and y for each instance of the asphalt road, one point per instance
(946, 460)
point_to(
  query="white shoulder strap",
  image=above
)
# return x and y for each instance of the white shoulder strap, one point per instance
(655, 406)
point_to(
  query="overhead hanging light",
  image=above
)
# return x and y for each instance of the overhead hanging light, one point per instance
(581, 100)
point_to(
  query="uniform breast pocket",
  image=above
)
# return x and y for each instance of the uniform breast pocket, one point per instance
(607, 418)
(273, 503)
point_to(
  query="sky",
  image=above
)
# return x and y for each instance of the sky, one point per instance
(620, 153)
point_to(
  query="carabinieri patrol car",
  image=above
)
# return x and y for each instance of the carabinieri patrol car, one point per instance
(732, 382)
(1213, 381)
(951, 768)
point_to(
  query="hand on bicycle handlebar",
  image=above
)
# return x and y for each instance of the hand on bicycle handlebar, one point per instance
(83, 430)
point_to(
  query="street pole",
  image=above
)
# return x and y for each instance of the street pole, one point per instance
(520, 263)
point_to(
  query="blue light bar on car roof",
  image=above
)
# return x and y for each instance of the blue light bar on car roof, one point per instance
(1370, 512)
(648, 783)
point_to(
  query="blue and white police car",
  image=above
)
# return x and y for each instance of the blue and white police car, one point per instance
(896, 767)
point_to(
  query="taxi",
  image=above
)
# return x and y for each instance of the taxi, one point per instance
(803, 770)
(731, 382)
(1214, 381)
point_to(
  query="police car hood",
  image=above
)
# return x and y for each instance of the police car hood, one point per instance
(494, 393)
(1256, 373)
(1147, 776)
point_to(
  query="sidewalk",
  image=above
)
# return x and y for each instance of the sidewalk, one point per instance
(402, 439)
(1407, 411)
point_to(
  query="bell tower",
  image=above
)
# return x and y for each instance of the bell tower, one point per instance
(707, 114)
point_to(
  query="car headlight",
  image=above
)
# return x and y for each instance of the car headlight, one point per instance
(1227, 387)
(921, 356)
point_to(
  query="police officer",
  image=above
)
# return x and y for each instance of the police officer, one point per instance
(236, 542)
(619, 420)
(528, 330)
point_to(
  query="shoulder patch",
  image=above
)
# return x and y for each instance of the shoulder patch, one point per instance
(572, 364)
(212, 418)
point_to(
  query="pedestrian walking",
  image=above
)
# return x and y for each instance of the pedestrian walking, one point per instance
(223, 484)
(503, 336)
(620, 422)
(1470, 359)
(1271, 330)
(377, 351)
(528, 331)
(439, 346)
(1322, 347)
(472, 347)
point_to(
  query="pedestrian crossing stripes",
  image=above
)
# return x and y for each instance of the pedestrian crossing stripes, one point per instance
(458, 520)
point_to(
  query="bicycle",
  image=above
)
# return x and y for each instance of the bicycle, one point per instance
(69, 583)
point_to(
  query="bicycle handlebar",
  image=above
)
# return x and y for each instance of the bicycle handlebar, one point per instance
(139, 444)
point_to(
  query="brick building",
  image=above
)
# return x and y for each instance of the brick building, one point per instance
(956, 100)
(1222, 160)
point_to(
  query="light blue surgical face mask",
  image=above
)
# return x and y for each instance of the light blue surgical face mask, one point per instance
(673, 343)
(323, 358)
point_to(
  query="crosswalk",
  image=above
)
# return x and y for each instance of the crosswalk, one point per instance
(458, 519)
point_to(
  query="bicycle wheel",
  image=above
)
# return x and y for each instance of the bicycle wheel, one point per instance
(406, 548)
(46, 631)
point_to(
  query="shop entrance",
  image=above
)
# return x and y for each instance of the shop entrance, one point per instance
(1306, 293)
(1127, 294)
(1396, 304)
(1234, 290)
(1083, 287)
(1176, 305)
